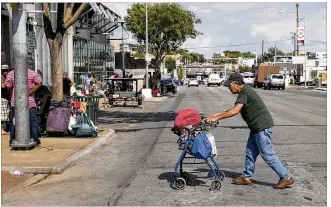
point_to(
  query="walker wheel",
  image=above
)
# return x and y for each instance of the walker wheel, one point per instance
(216, 185)
(222, 175)
(186, 176)
(180, 183)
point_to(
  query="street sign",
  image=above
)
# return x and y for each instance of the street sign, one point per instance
(298, 59)
(301, 35)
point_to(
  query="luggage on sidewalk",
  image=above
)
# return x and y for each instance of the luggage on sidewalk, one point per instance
(58, 120)
(84, 127)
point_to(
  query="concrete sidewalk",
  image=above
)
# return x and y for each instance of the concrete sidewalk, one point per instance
(53, 156)
(302, 87)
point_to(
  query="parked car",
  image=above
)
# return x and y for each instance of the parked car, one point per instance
(170, 84)
(185, 81)
(193, 82)
(249, 79)
(214, 79)
(274, 81)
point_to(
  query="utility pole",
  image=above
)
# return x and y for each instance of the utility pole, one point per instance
(22, 122)
(297, 5)
(262, 48)
(275, 55)
(146, 53)
(123, 61)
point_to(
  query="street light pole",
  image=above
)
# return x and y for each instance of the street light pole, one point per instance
(123, 61)
(146, 53)
(256, 54)
(304, 44)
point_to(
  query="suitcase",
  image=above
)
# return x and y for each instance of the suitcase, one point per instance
(58, 121)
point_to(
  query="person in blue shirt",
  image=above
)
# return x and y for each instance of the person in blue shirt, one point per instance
(87, 81)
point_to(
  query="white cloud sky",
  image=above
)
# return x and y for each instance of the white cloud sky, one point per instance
(226, 24)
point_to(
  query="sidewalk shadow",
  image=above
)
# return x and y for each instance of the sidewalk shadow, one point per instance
(118, 117)
(230, 174)
(193, 180)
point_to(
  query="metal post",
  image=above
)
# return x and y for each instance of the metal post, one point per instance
(146, 53)
(22, 122)
(256, 54)
(123, 62)
(304, 42)
(275, 55)
(39, 36)
(297, 5)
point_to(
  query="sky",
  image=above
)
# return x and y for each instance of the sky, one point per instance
(225, 24)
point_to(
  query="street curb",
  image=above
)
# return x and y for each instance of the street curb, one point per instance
(83, 153)
(320, 89)
(70, 161)
(33, 180)
(156, 99)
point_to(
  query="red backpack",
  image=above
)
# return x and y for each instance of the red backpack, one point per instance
(186, 117)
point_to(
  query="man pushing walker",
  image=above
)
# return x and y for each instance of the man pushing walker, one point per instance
(260, 123)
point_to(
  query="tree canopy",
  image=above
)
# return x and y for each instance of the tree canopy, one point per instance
(170, 63)
(169, 26)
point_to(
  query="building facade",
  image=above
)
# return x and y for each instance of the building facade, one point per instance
(86, 46)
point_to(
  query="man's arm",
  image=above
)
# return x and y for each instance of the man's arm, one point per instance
(231, 112)
(226, 114)
(36, 86)
(9, 81)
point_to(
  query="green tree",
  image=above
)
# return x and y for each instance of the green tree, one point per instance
(271, 51)
(170, 63)
(245, 69)
(169, 26)
(65, 18)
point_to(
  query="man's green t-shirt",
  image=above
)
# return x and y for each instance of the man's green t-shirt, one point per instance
(254, 112)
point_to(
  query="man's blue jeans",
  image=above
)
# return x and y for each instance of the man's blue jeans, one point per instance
(260, 143)
(34, 125)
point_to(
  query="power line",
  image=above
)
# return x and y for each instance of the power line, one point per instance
(236, 45)
(253, 43)
(316, 41)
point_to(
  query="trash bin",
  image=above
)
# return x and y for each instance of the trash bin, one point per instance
(92, 106)
(318, 83)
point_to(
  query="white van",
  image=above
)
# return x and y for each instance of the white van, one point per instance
(214, 79)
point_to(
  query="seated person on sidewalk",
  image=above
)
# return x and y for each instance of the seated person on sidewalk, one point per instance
(34, 82)
(67, 83)
(260, 123)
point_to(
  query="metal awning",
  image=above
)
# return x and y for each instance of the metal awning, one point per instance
(103, 17)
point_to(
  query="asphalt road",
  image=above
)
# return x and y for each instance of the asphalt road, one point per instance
(136, 168)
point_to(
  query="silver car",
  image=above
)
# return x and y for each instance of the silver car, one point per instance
(193, 82)
(274, 81)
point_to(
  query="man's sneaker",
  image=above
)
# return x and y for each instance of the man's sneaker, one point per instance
(242, 181)
(283, 183)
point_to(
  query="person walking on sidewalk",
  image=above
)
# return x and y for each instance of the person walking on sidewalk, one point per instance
(34, 83)
(260, 123)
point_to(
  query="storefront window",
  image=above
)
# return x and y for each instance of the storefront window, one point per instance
(91, 56)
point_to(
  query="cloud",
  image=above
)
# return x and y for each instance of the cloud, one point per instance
(231, 23)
